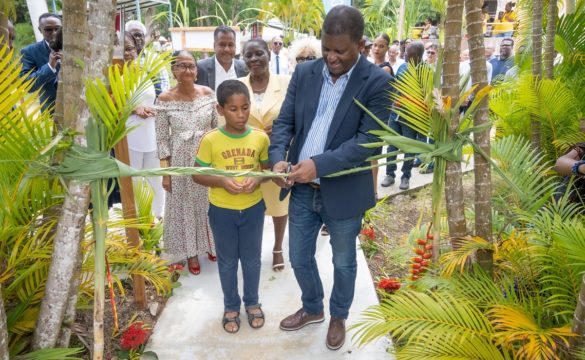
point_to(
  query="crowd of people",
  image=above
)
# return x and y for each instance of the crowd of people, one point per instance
(290, 110)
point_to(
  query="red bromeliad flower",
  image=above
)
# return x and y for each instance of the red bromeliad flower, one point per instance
(135, 336)
(389, 285)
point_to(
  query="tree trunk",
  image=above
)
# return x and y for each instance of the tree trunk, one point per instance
(453, 176)
(3, 330)
(536, 63)
(482, 169)
(90, 39)
(71, 309)
(549, 44)
(66, 247)
(101, 22)
(579, 319)
(3, 28)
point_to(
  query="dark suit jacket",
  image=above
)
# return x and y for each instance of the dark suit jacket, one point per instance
(345, 196)
(35, 67)
(206, 71)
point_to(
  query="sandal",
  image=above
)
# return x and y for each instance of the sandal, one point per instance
(280, 266)
(234, 319)
(252, 317)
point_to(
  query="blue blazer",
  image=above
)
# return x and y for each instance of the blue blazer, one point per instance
(344, 196)
(35, 67)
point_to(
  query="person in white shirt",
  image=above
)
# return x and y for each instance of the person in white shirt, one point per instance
(394, 58)
(278, 61)
(142, 149)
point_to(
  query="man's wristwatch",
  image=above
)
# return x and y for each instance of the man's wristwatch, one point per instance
(575, 168)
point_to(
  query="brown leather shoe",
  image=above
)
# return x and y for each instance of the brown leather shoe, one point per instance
(336, 333)
(299, 320)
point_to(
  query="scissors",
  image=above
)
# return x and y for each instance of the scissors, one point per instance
(288, 170)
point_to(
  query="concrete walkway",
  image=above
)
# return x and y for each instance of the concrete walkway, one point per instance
(190, 325)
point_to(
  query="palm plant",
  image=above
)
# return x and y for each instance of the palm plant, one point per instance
(552, 102)
(523, 311)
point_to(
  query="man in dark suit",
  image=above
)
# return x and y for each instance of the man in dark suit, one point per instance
(222, 66)
(41, 64)
(322, 129)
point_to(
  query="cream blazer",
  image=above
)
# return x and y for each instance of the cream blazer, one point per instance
(263, 116)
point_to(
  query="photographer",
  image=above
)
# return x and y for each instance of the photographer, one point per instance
(41, 64)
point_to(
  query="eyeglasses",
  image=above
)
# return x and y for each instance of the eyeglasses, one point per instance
(431, 52)
(51, 29)
(302, 59)
(137, 35)
(185, 67)
(277, 43)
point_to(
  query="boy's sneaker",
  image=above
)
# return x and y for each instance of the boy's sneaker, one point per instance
(404, 184)
(416, 162)
(388, 180)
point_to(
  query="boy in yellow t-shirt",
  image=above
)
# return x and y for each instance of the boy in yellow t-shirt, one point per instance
(236, 209)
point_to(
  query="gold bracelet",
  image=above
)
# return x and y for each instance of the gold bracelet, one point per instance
(164, 163)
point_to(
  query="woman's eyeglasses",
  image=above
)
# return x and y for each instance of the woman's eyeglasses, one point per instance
(302, 59)
(185, 67)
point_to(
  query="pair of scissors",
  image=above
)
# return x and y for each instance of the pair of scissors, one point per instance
(288, 170)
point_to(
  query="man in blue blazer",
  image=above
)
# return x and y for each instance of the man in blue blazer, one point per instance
(41, 64)
(320, 131)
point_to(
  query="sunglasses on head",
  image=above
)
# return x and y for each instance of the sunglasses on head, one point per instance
(302, 59)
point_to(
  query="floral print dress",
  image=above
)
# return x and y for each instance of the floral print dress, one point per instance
(180, 125)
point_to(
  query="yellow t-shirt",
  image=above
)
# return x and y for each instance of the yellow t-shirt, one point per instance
(245, 152)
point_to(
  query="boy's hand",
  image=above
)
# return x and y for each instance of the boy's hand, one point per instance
(250, 184)
(232, 186)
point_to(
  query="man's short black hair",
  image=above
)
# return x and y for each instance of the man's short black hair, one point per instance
(48, 15)
(223, 29)
(229, 88)
(343, 19)
(508, 39)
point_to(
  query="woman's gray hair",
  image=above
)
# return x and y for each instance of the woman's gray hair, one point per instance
(299, 44)
(135, 23)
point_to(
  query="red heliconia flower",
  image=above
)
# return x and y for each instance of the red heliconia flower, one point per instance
(369, 233)
(421, 241)
(429, 247)
(417, 259)
(430, 236)
(389, 285)
(135, 336)
(418, 251)
(427, 255)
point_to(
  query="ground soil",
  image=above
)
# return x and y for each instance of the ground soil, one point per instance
(393, 219)
(127, 312)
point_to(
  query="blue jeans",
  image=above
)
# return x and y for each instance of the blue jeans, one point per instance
(306, 215)
(238, 236)
(408, 132)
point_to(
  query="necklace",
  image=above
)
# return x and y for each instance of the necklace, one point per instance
(257, 91)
